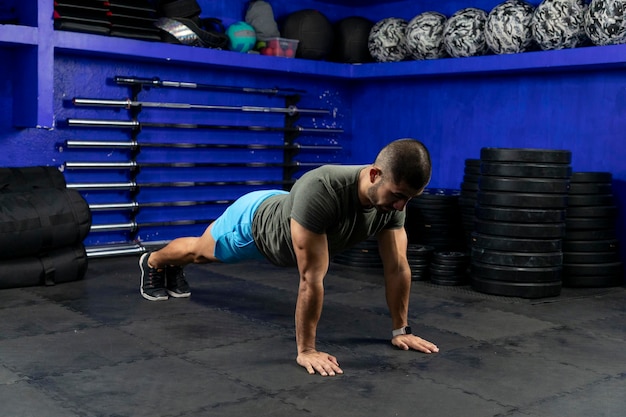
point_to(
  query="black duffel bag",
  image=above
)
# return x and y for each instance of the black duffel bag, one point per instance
(57, 266)
(28, 178)
(41, 220)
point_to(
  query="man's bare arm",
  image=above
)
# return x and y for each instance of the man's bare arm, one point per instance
(313, 259)
(392, 244)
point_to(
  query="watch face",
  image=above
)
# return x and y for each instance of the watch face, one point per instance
(407, 330)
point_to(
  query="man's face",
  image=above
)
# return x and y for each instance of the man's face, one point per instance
(385, 195)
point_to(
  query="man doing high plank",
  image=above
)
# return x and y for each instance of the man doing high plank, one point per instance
(329, 209)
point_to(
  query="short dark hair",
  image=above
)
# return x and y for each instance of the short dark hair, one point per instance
(408, 161)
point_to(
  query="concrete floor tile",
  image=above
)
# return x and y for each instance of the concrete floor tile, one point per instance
(9, 377)
(602, 398)
(166, 386)
(187, 332)
(263, 406)
(511, 378)
(394, 394)
(583, 349)
(62, 352)
(22, 399)
(483, 323)
(40, 318)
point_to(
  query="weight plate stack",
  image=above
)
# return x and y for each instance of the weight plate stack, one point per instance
(434, 219)
(520, 214)
(449, 268)
(419, 257)
(362, 255)
(590, 247)
(467, 200)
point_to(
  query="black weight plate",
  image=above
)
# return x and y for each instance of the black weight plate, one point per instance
(472, 195)
(473, 178)
(598, 234)
(551, 156)
(519, 259)
(516, 245)
(509, 169)
(574, 223)
(440, 193)
(607, 245)
(446, 272)
(522, 200)
(520, 230)
(357, 264)
(577, 200)
(450, 255)
(419, 250)
(591, 177)
(590, 257)
(595, 269)
(447, 265)
(594, 281)
(356, 256)
(518, 289)
(472, 162)
(472, 170)
(468, 186)
(590, 188)
(524, 185)
(419, 277)
(514, 273)
(516, 215)
(600, 211)
(449, 282)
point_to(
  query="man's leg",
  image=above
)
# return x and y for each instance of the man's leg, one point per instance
(185, 250)
(162, 271)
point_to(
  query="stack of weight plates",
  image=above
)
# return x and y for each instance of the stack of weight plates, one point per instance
(467, 201)
(419, 257)
(434, 219)
(520, 222)
(590, 247)
(361, 255)
(449, 268)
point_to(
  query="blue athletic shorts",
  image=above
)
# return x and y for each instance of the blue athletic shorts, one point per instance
(232, 231)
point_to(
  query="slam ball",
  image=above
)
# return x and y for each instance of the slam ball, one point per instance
(605, 22)
(507, 30)
(351, 35)
(387, 40)
(558, 24)
(241, 37)
(424, 36)
(464, 33)
(313, 30)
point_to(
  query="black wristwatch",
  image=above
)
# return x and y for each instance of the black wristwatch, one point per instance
(401, 330)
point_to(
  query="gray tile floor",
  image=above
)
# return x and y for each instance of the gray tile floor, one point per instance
(96, 348)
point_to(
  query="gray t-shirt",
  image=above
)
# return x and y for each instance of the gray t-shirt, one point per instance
(324, 200)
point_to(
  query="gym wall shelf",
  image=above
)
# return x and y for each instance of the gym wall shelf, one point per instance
(35, 45)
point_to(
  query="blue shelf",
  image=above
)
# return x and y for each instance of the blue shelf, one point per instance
(37, 47)
(94, 45)
(561, 60)
(14, 35)
(595, 57)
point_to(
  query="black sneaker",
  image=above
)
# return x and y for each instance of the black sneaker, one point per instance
(177, 285)
(152, 281)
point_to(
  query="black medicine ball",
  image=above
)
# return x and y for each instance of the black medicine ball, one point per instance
(351, 36)
(313, 30)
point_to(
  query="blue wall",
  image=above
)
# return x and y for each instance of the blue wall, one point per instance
(455, 115)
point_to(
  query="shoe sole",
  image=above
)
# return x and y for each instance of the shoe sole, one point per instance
(143, 272)
(179, 295)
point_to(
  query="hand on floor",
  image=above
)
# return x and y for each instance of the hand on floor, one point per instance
(322, 362)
